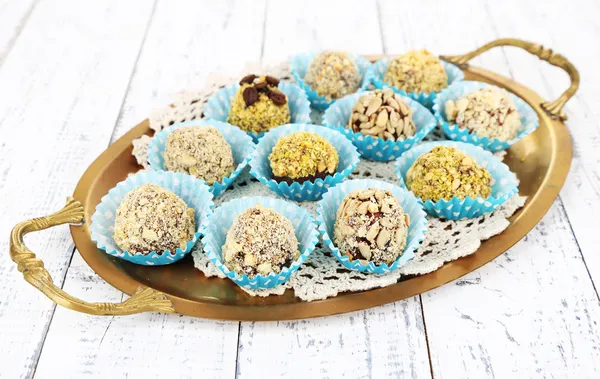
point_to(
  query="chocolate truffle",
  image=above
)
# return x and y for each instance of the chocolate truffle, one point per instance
(416, 71)
(200, 151)
(371, 225)
(303, 156)
(333, 75)
(260, 241)
(259, 105)
(446, 172)
(151, 218)
(382, 114)
(487, 112)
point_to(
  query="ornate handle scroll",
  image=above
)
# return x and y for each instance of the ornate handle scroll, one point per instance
(143, 300)
(553, 108)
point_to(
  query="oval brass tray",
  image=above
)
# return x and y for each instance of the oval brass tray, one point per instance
(541, 162)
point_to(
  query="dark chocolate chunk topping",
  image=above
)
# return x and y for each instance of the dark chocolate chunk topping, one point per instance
(250, 96)
(248, 79)
(272, 81)
(277, 97)
(260, 85)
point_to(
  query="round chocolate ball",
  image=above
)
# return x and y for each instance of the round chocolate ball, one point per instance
(333, 75)
(303, 156)
(416, 71)
(260, 241)
(446, 172)
(151, 218)
(371, 226)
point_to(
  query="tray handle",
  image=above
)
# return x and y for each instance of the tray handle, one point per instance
(552, 108)
(143, 300)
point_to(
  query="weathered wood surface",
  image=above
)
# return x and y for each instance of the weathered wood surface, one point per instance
(75, 76)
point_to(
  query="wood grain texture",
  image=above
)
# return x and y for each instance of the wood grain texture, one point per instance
(175, 56)
(13, 16)
(61, 89)
(530, 319)
(384, 342)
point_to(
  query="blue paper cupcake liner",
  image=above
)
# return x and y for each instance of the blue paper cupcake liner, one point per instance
(504, 182)
(327, 211)
(300, 63)
(379, 68)
(217, 107)
(241, 144)
(191, 190)
(308, 190)
(529, 117)
(378, 149)
(220, 222)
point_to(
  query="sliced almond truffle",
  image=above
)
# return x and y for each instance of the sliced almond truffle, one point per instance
(416, 71)
(151, 218)
(260, 241)
(333, 75)
(303, 156)
(382, 114)
(371, 226)
(259, 105)
(200, 151)
(446, 172)
(487, 112)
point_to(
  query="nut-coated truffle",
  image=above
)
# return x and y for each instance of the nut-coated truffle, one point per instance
(333, 75)
(416, 71)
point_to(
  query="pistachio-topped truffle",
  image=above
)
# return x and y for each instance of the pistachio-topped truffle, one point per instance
(371, 225)
(260, 241)
(446, 172)
(151, 218)
(303, 156)
(487, 112)
(382, 114)
(416, 71)
(199, 151)
(259, 105)
(333, 75)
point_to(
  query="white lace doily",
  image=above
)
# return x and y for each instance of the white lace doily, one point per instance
(321, 276)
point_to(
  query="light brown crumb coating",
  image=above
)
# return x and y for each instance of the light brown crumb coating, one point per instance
(445, 172)
(151, 218)
(259, 105)
(416, 71)
(200, 151)
(333, 75)
(260, 241)
(303, 155)
(371, 225)
(487, 112)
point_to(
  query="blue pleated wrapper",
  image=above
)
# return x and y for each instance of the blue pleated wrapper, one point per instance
(217, 107)
(193, 191)
(378, 149)
(241, 144)
(504, 182)
(529, 117)
(327, 211)
(307, 191)
(220, 222)
(300, 63)
(379, 68)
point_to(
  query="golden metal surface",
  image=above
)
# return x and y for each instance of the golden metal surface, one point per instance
(541, 162)
(553, 108)
(143, 300)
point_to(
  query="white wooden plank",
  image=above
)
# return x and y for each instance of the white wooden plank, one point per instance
(516, 316)
(13, 15)
(61, 89)
(176, 56)
(384, 342)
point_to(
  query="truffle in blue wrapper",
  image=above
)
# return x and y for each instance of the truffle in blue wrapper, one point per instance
(222, 220)
(379, 149)
(300, 64)
(379, 69)
(194, 192)
(327, 212)
(504, 182)
(241, 145)
(307, 190)
(529, 118)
